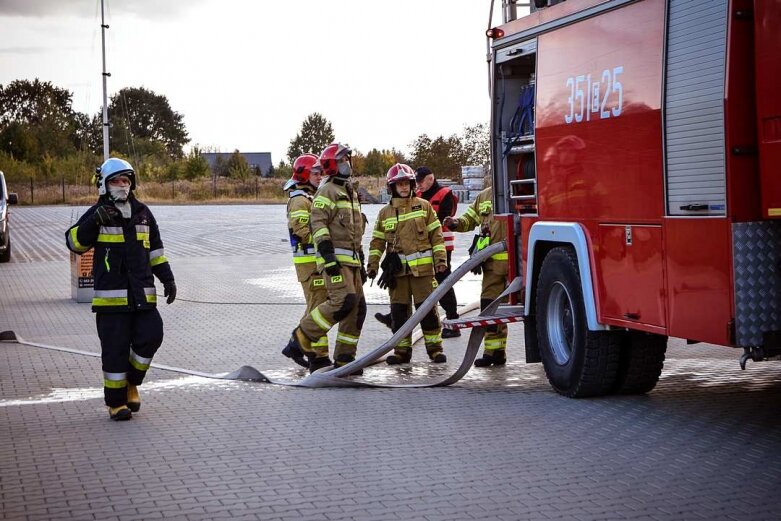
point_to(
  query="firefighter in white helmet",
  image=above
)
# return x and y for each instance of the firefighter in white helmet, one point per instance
(408, 232)
(337, 230)
(490, 231)
(301, 188)
(128, 255)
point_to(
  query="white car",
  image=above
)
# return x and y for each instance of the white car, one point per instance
(5, 239)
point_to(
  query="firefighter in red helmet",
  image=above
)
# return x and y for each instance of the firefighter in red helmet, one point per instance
(408, 232)
(301, 188)
(337, 227)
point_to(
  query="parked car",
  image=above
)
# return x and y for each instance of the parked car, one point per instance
(5, 239)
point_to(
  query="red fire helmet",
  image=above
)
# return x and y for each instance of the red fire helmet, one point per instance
(330, 156)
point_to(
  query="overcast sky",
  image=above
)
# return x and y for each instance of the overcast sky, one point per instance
(245, 74)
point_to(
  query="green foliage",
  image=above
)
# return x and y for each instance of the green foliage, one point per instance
(316, 133)
(237, 166)
(379, 161)
(143, 123)
(283, 170)
(195, 165)
(444, 156)
(37, 118)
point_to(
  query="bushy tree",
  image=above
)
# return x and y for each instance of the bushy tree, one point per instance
(316, 133)
(238, 168)
(444, 156)
(195, 165)
(36, 118)
(143, 123)
(476, 142)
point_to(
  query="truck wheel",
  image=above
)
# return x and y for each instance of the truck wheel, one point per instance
(578, 362)
(640, 362)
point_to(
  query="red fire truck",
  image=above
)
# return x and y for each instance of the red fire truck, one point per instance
(636, 158)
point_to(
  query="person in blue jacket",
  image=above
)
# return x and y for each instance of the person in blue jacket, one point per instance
(128, 254)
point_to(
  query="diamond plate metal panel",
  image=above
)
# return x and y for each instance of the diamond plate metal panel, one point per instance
(756, 249)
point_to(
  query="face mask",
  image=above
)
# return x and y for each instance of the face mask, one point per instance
(345, 169)
(119, 193)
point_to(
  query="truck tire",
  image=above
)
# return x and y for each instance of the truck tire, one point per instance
(578, 363)
(640, 362)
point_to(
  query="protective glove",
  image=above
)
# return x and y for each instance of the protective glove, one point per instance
(332, 266)
(169, 290)
(108, 215)
(441, 268)
(450, 223)
(372, 274)
(364, 275)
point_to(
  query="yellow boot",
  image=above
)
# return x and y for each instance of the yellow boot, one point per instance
(133, 398)
(120, 413)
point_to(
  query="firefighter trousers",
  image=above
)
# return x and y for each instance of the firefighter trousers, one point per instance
(493, 285)
(345, 305)
(411, 289)
(128, 341)
(315, 294)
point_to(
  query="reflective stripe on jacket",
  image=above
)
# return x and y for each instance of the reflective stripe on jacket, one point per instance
(410, 228)
(336, 216)
(480, 215)
(126, 258)
(299, 208)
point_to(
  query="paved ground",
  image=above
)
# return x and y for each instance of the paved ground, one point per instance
(498, 445)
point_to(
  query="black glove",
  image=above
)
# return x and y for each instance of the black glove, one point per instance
(332, 266)
(477, 270)
(372, 274)
(391, 265)
(364, 275)
(108, 215)
(169, 290)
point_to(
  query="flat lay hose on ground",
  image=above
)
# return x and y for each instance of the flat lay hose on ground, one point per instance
(335, 377)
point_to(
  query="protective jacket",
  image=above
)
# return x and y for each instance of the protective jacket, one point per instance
(125, 259)
(299, 208)
(408, 226)
(336, 216)
(445, 203)
(481, 215)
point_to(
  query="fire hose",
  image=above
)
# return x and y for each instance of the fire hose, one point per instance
(335, 377)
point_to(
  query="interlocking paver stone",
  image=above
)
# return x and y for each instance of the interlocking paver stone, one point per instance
(706, 443)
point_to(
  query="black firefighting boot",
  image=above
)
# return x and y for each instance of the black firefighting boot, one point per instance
(385, 319)
(297, 346)
(344, 360)
(436, 355)
(133, 398)
(120, 413)
(400, 356)
(318, 362)
(495, 357)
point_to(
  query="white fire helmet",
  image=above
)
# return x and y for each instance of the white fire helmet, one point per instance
(110, 168)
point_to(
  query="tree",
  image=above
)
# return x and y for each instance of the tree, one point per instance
(195, 165)
(316, 133)
(143, 123)
(379, 161)
(238, 168)
(36, 118)
(283, 170)
(444, 156)
(476, 142)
